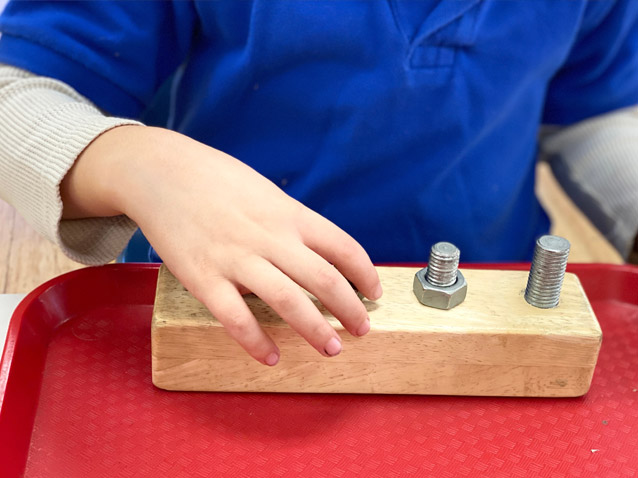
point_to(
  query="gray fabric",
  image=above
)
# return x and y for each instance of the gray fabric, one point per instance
(596, 162)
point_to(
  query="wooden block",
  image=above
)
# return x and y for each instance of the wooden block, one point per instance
(494, 343)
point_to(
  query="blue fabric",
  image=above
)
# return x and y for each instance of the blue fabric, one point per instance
(403, 122)
(138, 250)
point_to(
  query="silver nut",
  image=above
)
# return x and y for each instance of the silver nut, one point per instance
(437, 296)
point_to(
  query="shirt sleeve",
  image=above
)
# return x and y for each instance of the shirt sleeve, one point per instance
(44, 126)
(596, 162)
(600, 74)
(117, 54)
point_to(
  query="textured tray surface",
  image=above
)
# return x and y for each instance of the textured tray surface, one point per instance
(79, 402)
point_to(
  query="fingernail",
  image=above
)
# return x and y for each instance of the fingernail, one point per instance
(333, 347)
(364, 328)
(272, 359)
(378, 292)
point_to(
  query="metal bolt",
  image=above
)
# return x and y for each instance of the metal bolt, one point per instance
(443, 265)
(441, 284)
(547, 272)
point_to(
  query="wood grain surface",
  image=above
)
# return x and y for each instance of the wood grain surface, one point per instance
(494, 343)
(27, 259)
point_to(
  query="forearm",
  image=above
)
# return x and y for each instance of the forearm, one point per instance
(44, 126)
(596, 162)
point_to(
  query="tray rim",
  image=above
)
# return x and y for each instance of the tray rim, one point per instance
(15, 322)
(35, 299)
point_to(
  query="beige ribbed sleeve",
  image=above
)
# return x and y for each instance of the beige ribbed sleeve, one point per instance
(596, 162)
(44, 126)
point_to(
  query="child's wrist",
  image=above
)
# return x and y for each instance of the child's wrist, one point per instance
(92, 187)
(148, 160)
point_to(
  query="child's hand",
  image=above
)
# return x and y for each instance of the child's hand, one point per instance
(222, 228)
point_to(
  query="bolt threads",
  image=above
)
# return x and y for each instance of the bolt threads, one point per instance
(443, 265)
(547, 272)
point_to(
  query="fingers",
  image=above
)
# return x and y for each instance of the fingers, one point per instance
(228, 306)
(292, 304)
(337, 247)
(327, 284)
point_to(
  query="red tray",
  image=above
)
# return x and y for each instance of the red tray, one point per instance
(78, 402)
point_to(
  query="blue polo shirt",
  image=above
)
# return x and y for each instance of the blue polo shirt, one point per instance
(404, 122)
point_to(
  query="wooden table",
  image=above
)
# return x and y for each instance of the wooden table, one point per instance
(27, 260)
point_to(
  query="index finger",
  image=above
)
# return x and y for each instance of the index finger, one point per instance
(339, 248)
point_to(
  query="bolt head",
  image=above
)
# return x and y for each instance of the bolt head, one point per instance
(436, 296)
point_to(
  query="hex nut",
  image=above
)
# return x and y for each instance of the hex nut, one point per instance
(436, 296)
